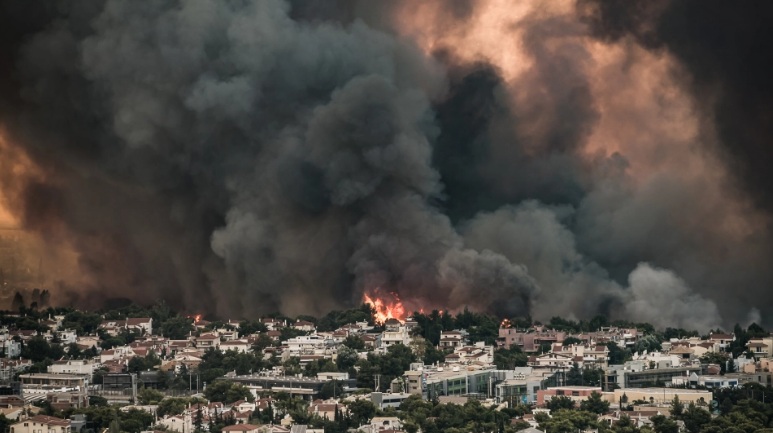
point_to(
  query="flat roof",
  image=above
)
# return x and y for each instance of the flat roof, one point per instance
(54, 376)
(665, 390)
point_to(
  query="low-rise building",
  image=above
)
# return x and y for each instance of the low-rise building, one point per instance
(658, 396)
(576, 393)
(41, 424)
(74, 366)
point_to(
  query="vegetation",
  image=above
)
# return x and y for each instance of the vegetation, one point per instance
(747, 409)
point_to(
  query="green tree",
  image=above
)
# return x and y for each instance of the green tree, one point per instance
(249, 327)
(354, 342)
(95, 400)
(362, 411)
(574, 376)
(695, 418)
(508, 359)
(331, 389)
(346, 358)
(227, 392)
(625, 425)
(560, 402)
(677, 408)
(568, 341)
(149, 396)
(172, 406)
(263, 341)
(618, 355)
(568, 421)
(663, 424)
(594, 403)
(177, 328)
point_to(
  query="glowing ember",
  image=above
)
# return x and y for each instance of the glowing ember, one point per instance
(505, 324)
(385, 309)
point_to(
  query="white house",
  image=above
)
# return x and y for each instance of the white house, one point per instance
(41, 424)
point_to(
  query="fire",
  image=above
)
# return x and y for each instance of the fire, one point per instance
(196, 318)
(385, 308)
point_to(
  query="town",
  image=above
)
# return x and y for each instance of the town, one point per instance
(135, 369)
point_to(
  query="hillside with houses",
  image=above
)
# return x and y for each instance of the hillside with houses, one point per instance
(138, 369)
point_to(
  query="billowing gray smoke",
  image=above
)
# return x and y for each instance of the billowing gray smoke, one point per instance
(247, 157)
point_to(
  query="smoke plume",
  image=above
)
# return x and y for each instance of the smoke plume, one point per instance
(239, 158)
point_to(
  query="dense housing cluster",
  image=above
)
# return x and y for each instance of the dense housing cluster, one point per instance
(67, 371)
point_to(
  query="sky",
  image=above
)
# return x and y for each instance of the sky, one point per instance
(563, 158)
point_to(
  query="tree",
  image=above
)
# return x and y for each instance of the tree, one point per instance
(695, 418)
(560, 402)
(617, 355)
(507, 359)
(172, 406)
(354, 342)
(177, 328)
(568, 341)
(574, 375)
(664, 424)
(362, 411)
(249, 327)
(330, 389)
(198, 420)
(567, 421)
(17, 304)
(594, 403)
(625, 425)
(95, 400)
(136, 364)
(722, 359)
(677, 408)
(346, 358)
(227, 392)
(263, 341)
(149, 396)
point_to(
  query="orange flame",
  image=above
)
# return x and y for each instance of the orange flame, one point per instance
(385, 308)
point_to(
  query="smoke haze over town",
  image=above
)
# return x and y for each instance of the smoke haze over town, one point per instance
(563, 158)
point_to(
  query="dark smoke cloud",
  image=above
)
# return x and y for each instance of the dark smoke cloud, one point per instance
(727, 51)
(246, 157)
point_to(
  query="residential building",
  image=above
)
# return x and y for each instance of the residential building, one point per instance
(523, 386)
(576, 393)
(722, 340)
(326, 410)
(385, 400)
(208, 341)
(452, 339)
(314, 344)
(660, 396)
(637, 375)
(74, 366)
(761, 347)
(395, 333)
(41, 424)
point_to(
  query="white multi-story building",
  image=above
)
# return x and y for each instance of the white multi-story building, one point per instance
(452, 339)
(241, 346)
(314, 344)
(10, 348)
(395, 333)
(74, 366)
(67, 336)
